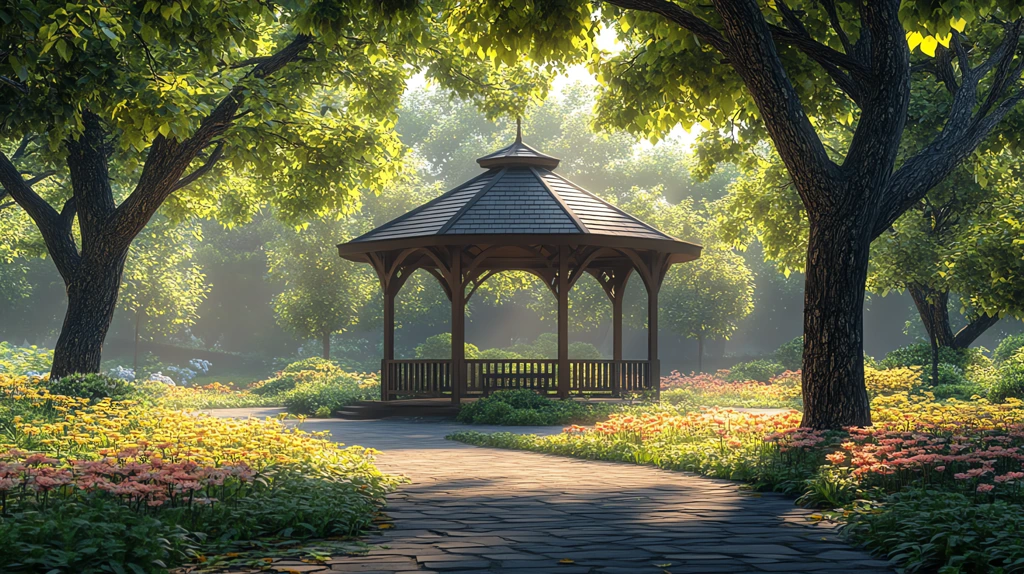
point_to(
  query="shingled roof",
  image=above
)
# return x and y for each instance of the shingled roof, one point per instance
(518, 194)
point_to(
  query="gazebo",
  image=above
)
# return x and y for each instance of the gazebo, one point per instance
(519, 215)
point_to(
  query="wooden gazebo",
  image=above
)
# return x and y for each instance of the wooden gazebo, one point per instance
(519, 215)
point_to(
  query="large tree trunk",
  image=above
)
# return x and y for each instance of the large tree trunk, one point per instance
(92, 298)
(833, 369)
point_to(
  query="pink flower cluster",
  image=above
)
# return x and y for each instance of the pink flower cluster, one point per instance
(978, 461)
(137, 478)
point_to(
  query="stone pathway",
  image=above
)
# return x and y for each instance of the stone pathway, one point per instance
(471, 509)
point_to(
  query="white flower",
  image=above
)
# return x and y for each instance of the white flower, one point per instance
(161, 378)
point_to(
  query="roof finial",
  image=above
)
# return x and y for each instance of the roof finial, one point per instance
(519, 130)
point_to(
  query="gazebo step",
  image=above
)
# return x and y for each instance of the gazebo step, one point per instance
(364, 410)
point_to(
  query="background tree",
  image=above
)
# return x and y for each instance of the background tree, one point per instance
(323, 292)
(759, 71)
(162, 285)
(134, 103)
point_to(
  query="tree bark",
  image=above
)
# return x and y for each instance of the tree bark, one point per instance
(325, 340)
(92, 298)
(833, 372)
(933, 305)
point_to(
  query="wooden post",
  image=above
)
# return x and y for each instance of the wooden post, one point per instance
(563, 321)
(389, 340)
(617, 298)
(652, 331)
(458, 374)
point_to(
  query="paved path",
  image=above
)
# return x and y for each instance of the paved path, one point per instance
(471, 509)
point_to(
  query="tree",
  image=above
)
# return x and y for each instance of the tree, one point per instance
(323, 292)
(211, 108)
(753, 71)
(162, 286)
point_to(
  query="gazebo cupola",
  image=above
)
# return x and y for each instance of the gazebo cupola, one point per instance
(519, 215)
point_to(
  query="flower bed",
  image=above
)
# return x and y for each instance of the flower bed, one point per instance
(970, 452)
(163, 486)
(714, 390)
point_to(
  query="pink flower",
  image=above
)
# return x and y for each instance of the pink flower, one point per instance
(985, 487)
(836, 458)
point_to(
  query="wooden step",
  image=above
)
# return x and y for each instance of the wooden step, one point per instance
(364, 410)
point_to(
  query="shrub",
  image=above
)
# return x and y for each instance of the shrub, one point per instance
(312, 364)
(940, 531)
(961, 392)
(760, 370)
(523, 407)
(707, 390)
(791, 355)
(498, 354)
(92, 386)
(329, 392)
(1010, 382)
(1008, 347)
(440, 347)
(920, 355)
(24, 360)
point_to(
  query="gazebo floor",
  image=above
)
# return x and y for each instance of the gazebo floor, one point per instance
(424, 407)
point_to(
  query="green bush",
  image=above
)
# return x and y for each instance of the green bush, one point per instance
(523, 407)
(960, 392)
(1010, 381)
(93, 386)
(16, 360)
(497, 354)
(920, 355)
(329, 392)
(760, 370)
(312, 364)
(1008, 347)
(941, 531)
(791, 355)
(440, 347)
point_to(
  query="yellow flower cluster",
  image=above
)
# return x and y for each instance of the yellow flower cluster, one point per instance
(920, 410)
(881, 382)
(79, 430)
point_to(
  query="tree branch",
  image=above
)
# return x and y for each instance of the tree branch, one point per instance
(971, 331)
(60, 245)
(680, 16)
(214, 156)
(833, 20)
(14, 84)
(168, 159)
(755, 58)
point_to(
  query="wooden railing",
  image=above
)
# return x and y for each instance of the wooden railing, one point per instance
(416, 378)
(590, 377)
(484, 376)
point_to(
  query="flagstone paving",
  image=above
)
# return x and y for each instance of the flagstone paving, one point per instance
(470, 509)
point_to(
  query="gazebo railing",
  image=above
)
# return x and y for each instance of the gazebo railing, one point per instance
(591, 377)
(417, 378)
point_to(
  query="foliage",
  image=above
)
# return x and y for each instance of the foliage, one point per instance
(24, 360)
(920, 355)
(1007, 348)
(440, 347)
(162, 286)
(210, 396)
(707, 390)
(113, 486)
(93, 386)
(524, 407)
(757, 370)
(322, 393)
(791, 355)
(1010, 382)
(928, 530)
(323, 293)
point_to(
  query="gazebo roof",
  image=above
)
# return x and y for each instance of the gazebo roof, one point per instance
(519, 194)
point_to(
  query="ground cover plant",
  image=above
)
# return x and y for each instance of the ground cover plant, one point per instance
(706, 389)
(95, 485)
(886, 483)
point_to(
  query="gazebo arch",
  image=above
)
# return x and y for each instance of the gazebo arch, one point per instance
(519, 215)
